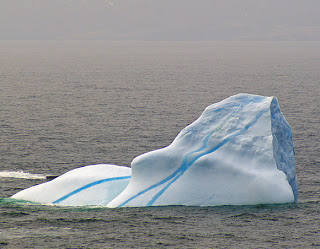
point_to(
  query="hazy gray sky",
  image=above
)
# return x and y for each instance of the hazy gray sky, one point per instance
(160, 19)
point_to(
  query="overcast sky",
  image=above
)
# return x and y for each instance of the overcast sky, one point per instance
(160, 19)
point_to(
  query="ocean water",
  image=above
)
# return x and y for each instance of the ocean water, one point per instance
(67, 104)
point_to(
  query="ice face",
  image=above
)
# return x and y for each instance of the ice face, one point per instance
(283, 149)
(89, 185)
(238, 152)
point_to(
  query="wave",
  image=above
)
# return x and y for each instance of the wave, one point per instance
(21, 175)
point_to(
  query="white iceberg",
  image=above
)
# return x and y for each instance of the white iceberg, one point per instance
(238, 152)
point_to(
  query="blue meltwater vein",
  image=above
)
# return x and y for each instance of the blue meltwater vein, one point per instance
(89, 186)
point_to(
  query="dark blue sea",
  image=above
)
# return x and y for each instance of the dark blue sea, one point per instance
(67, 104)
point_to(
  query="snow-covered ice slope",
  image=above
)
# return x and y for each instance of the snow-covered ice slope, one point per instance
(238, 152)
(89, 185)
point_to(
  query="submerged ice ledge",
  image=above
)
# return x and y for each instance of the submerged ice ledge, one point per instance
(238, 152)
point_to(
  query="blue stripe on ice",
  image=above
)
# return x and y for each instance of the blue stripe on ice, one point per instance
(187, 164)
(89, 186)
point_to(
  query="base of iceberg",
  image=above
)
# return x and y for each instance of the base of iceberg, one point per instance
(238, 152)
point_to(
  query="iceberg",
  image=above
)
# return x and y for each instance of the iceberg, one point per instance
(238, 152)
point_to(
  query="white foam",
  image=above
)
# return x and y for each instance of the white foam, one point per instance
(21, 175)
